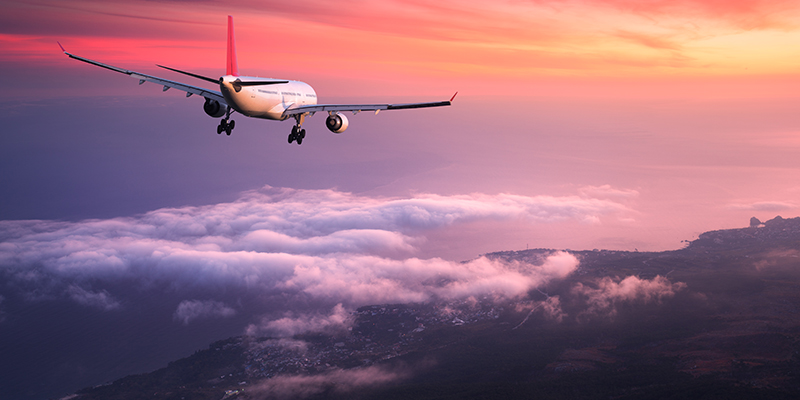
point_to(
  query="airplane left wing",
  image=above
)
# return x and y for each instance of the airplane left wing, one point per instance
(362, 107)
(189, 89)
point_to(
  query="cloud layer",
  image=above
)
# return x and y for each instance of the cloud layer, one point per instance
(303, 257)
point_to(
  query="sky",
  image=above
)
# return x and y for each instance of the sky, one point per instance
(615, 124)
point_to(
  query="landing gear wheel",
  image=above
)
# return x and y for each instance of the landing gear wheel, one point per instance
(299, 140)
(223, 126)
(295, 135)
(226, 126)
(302, 134)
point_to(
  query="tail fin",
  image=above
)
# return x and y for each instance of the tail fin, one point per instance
(232, 65)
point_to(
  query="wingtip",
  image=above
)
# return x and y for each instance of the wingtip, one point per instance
(454, 96)
(62, 47)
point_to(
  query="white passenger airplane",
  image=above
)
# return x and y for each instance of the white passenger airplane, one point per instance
(275, 99)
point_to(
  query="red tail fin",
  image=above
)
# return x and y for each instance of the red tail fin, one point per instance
(232, 65)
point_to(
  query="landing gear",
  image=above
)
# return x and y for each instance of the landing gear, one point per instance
(226, 124)
(297, 134)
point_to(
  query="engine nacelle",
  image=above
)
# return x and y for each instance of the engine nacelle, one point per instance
(213, 108)
(337, 123)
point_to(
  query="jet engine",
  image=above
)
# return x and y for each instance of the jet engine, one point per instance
(337, 123)
(213, 108)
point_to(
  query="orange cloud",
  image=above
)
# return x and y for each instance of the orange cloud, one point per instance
(741, 14)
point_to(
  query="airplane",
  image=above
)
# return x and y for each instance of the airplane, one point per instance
(274, 99)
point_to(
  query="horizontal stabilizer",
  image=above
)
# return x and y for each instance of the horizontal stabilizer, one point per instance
(205, 78)
(238, 84)
(258, 83)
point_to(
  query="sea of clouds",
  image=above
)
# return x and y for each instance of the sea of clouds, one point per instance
(286, 261)
(315, 249)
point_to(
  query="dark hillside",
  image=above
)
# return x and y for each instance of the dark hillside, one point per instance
(718, 319)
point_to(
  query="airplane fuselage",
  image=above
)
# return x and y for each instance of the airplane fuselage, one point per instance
(267, 101)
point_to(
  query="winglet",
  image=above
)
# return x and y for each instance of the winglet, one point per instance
(232, 65)
(454, 96)
(62, 47)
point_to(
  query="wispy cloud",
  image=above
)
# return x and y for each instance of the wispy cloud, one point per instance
(602, 300)
(101, 299)
(293, 323)
(190, 310)
(608, 192)
(337, 381)
(764, 206)
(744, 14)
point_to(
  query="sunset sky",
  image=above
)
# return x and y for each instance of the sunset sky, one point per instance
(680, 113)
(614, 124)
(533, 48)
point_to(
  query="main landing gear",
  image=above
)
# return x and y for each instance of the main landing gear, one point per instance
(226, 124)
(297, 134)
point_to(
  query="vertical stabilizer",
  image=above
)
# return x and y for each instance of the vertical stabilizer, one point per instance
(232, 65)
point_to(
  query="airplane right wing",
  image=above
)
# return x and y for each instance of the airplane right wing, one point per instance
(189, 89)
(362, 107)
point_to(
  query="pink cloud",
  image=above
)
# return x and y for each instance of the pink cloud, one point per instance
(764, 206)
(370, 280)
(190, 310)
(337, 381)
(603, 300)
(100, 299)
(338, 320)
(743, 14)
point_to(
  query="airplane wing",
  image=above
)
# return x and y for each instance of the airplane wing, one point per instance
(189, 89)
(362, 107)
